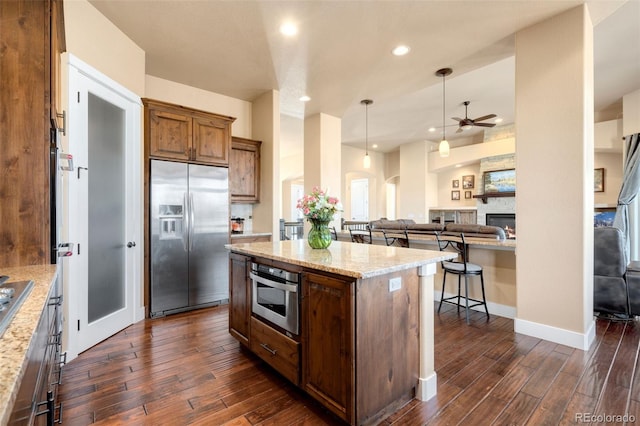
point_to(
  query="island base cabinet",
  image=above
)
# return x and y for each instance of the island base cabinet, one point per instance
(327, 348)
(239, 298)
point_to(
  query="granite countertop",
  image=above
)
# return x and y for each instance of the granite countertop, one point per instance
(343, 258)
(16, 339)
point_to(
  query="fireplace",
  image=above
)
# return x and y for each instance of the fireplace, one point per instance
(506, 221)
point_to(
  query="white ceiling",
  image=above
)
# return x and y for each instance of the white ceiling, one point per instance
(342, 54)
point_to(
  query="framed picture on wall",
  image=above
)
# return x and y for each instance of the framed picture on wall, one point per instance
(467, 195)
(468, 181)
(455, 183)
(455, 195)
(598, 180)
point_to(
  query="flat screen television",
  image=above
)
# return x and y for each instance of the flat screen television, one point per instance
(499, 181)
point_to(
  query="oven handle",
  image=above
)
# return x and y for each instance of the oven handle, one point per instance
(286, 287)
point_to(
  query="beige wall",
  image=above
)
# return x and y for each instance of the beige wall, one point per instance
(95, 40)
(265, 122)
(418, 188)
(554, 61)
(612, 164)
(352, 168)
(445, 186)
(631, 111)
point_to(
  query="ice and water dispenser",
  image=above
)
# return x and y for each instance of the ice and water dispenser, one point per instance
(171, 221)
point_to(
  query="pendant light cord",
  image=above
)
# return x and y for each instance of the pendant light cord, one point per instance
(443, 106)
(366, 129)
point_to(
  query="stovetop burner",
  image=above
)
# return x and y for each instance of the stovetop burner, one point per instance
(12, 294)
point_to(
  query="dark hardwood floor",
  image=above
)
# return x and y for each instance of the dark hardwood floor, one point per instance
(187, 369)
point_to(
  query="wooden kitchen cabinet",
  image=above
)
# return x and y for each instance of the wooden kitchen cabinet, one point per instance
(328, 373)
(32, 34)
(239, 297)
(278, 350)
(174, 132)
(244, 170)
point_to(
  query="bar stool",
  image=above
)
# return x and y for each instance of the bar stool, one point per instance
(396, 237)
(460, 268)
(361, 236)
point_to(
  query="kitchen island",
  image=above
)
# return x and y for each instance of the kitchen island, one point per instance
(365, 341)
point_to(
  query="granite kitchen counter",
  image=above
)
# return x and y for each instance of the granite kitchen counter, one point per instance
(348, 259)
(16, 339)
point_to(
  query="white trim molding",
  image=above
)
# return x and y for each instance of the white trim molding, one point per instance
(498, 309)
(570, 338)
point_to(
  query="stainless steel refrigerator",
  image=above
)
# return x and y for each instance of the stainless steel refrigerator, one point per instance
(189, 216)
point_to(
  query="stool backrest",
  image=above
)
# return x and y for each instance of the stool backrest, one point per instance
(454, 241)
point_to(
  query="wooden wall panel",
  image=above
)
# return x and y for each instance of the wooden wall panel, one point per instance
(24, 132)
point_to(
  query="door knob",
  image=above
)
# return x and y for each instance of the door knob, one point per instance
(131, 244)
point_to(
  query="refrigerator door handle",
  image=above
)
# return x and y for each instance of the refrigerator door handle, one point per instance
(187, 224)
(192, 220)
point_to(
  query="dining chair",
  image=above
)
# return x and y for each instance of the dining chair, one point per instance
(462, 268)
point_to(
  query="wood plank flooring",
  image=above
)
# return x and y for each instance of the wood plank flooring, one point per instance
(187, 369)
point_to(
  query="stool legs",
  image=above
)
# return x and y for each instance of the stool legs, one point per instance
(466, 295)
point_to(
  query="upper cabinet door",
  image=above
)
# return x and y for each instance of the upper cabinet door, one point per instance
(211, 141)
(244, 170)
(179, 133)
(169, 135)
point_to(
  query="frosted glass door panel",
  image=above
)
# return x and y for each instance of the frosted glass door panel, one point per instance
(107, 204)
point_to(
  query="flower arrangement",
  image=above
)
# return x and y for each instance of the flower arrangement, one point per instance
(318, 206)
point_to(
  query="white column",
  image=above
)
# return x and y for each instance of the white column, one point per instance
(428, 381)
(322, 156)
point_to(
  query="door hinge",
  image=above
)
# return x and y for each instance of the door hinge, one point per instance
(78, 97)
(78, 325)
(78, 249)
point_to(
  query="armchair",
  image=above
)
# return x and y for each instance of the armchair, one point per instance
(616, 284)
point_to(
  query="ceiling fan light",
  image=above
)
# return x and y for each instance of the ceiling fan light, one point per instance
(366, 163)
(466, 126)
(443, 148)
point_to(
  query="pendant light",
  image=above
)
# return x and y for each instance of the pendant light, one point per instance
(444, 144)
(367, 160)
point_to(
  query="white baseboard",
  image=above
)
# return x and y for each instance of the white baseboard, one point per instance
(139, 314)
(557, 335)
(494, 308)
(427, 387)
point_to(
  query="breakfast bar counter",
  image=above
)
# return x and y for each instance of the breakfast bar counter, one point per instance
(363, 346)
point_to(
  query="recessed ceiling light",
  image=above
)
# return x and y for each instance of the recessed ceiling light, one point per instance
(458, 165)
(375, 145)
(498, 120)
(304, 98)
(400, 50)
(432, 129)
(289, 29)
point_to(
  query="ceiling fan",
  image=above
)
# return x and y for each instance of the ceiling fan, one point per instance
(467, 123)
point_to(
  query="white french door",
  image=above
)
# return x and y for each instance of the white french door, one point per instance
(104, 272)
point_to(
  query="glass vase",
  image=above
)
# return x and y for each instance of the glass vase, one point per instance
(319, 235)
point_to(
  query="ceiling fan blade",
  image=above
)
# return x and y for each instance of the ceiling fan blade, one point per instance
(485, 117)
(460, 130)
(456, 118)
(484, 124)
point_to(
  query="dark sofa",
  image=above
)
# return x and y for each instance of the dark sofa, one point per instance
(616, 284)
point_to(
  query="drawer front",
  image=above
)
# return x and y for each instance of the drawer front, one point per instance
(278, 350)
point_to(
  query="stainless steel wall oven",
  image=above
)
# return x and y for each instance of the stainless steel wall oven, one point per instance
(276, 296)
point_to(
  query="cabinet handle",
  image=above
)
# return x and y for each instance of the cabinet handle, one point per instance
(268, 349)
